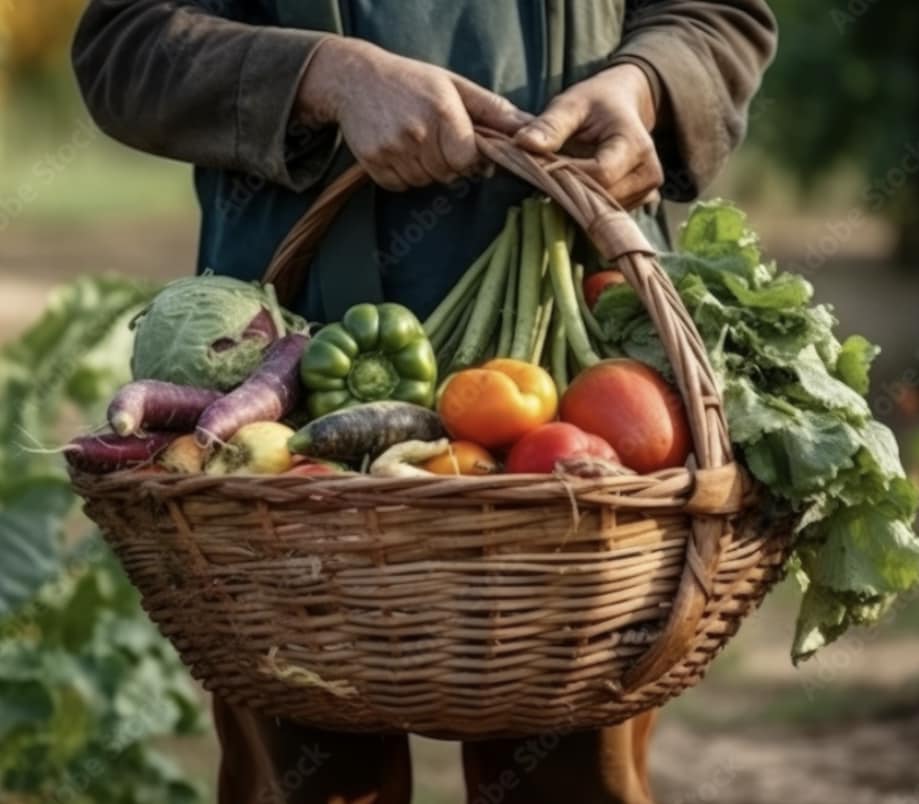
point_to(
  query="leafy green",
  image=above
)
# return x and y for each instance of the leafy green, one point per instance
(86, 682)
(795, 402)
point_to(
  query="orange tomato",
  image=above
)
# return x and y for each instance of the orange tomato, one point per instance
(463, 458)
(499, 403)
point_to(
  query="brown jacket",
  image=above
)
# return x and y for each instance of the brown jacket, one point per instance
(188, 80)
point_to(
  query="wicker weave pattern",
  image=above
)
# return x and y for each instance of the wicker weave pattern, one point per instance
(458, 607)
(284, 595)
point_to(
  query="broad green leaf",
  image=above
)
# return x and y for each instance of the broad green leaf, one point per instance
(854, 362)
(23, 704)
(869, 551)
(30, 534)
(718, 233)
(826, 391)
(752, 414)
(821, 620)
(784, 292)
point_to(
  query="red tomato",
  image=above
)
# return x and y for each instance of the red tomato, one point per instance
(595, 284)
(539, 450)
(630, 406)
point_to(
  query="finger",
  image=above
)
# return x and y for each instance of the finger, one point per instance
(435, 165)
(386, 177)
(632, 189)
(412, 172)
(456, 139)
(555, 126)
(490, 109)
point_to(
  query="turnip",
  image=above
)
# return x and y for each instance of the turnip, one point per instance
(183, 456)
(156, 405)
(259, 448)
(267, 396)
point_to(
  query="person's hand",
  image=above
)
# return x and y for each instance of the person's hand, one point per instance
(408, 123)
(609, 117)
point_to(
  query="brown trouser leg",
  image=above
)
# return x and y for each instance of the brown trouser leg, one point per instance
(608, 766)
(266, 761)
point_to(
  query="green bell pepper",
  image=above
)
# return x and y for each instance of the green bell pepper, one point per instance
(376, 352)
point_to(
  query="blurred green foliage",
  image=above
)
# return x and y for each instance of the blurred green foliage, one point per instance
(842, 94)
(87, 684)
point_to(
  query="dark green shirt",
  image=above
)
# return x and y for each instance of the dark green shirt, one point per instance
(214, 83)
(406, 247)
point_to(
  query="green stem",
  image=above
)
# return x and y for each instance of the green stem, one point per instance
(593, 326)
(563, 284)
(509, 309)
(559, 354)
(532, 262)
(460, 289)
(448, 349)
(488, 302)
(443, 332)
(544, 318)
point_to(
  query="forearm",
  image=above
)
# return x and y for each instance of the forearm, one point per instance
(175, 80)
(705, 61)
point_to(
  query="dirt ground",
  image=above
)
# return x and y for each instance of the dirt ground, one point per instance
(845, 729)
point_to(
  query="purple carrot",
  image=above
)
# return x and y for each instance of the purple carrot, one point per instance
(155, 405)
(101, 454)
(268, 395)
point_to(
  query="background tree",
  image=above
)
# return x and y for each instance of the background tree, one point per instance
(842, 93)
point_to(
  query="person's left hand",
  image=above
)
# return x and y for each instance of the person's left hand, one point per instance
(609, 117)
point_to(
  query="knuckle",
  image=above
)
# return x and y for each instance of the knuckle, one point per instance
(416, 132)
(644, 146)
(606, 175)
(442, 107)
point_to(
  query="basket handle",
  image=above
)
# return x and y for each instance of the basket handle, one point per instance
(619, 240)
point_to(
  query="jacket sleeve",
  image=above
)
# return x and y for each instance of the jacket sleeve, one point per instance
(178, 80)
(705, 60)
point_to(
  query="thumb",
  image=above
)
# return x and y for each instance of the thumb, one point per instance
(554, 127)
(490, 109)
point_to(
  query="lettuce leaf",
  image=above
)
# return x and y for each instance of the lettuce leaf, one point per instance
(795, 403)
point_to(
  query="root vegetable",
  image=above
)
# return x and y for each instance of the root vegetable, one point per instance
(156, 405)
(370, 429)
(183, 456)
(268, 395)
(109, 452)
(259, 448)
(402, 459)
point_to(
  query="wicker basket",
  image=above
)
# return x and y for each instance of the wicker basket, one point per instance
(458, 607)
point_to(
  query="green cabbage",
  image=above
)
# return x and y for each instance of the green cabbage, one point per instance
(208, 331)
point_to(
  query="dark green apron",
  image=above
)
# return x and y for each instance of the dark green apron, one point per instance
(412, 247)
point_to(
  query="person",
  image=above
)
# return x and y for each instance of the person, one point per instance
(271, 100)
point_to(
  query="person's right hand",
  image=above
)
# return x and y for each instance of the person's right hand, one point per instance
(408, 123)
